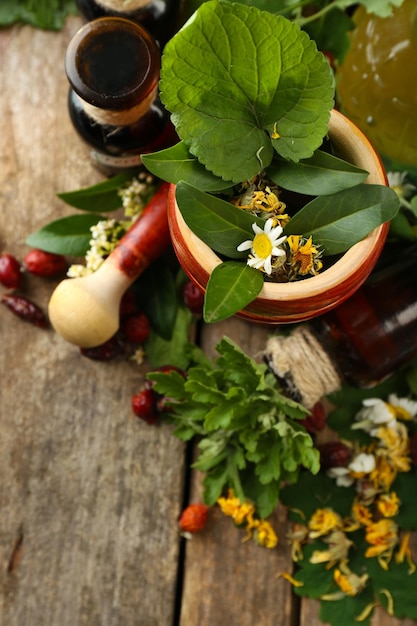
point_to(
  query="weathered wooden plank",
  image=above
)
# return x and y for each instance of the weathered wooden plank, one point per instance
(89, 495)
(228, 580)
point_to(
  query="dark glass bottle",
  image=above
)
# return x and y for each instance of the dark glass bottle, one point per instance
(362, 341)
(113, 67)
(159, 17)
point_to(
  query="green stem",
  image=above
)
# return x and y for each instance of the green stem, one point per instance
(235, 478)
(302, 21)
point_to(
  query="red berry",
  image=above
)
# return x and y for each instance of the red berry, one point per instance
(25, 309)
(45, 264)
(334, 454)
(316, 420)
(135, 328)
(106, 351)
(10, 274)
(194, 518)
(144, 405)
(193, 298)
(128, 304)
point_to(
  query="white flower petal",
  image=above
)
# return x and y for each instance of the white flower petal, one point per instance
(362, 463)
(245, 245)
(276, 232)
(255, 262)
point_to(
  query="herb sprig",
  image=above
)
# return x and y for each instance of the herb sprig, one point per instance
(47, 14)
(250, 438)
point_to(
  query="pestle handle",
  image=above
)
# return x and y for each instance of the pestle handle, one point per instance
(85, 311)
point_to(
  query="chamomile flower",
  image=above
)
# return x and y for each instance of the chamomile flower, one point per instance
(402, 187)
(404, 408)
(264, 246)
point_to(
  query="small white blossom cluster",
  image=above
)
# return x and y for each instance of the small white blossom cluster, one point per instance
(106, 234)
(134, 196)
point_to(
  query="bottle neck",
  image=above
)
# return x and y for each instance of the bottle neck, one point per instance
(302, 365)
(123, 6)
(120, 118)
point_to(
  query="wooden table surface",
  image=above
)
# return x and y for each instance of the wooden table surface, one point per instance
(90, 496)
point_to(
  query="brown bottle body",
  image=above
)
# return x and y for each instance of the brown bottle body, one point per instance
(159, 17)
(374, 333)
(113, 67)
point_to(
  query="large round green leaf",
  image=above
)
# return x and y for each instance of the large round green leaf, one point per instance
(234, 78)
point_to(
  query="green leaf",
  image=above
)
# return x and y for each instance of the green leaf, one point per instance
(214, 483)
(401, 228)
(160, 351)
(168, 384)
(322, 174)
(344, 612)
(411, 377)
(245, 372)
(234, 75)
(401, 584)
(69, 235)
(317, 580)
(319, 491)
(338, 221)
(269, 467)
(230, 288)
(156, 294)
(201, 391)
(265, 497)
(221, 415)
(218, 223)
(404, 485)
(48, 14)
(176, 163)
(102, 197)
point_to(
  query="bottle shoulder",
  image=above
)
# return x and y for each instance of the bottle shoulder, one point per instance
(151, 130)
(159, 17)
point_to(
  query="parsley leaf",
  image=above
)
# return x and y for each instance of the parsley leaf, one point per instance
(250, 438)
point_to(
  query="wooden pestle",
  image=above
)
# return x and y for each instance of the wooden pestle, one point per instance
(85, 310)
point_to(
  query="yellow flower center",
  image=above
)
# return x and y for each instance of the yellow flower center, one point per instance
(262, 246)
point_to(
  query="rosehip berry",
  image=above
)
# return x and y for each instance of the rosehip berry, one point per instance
(10, 274)
(193, 298)
(135, 328)
(144, 405)
(334, 454)
(107, 351)
(45, 264)
(194, 518)
(316, 420)
(25, 309)
(128, 304)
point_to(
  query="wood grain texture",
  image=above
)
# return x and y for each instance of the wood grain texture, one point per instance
(229, 580)
(89, 495)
